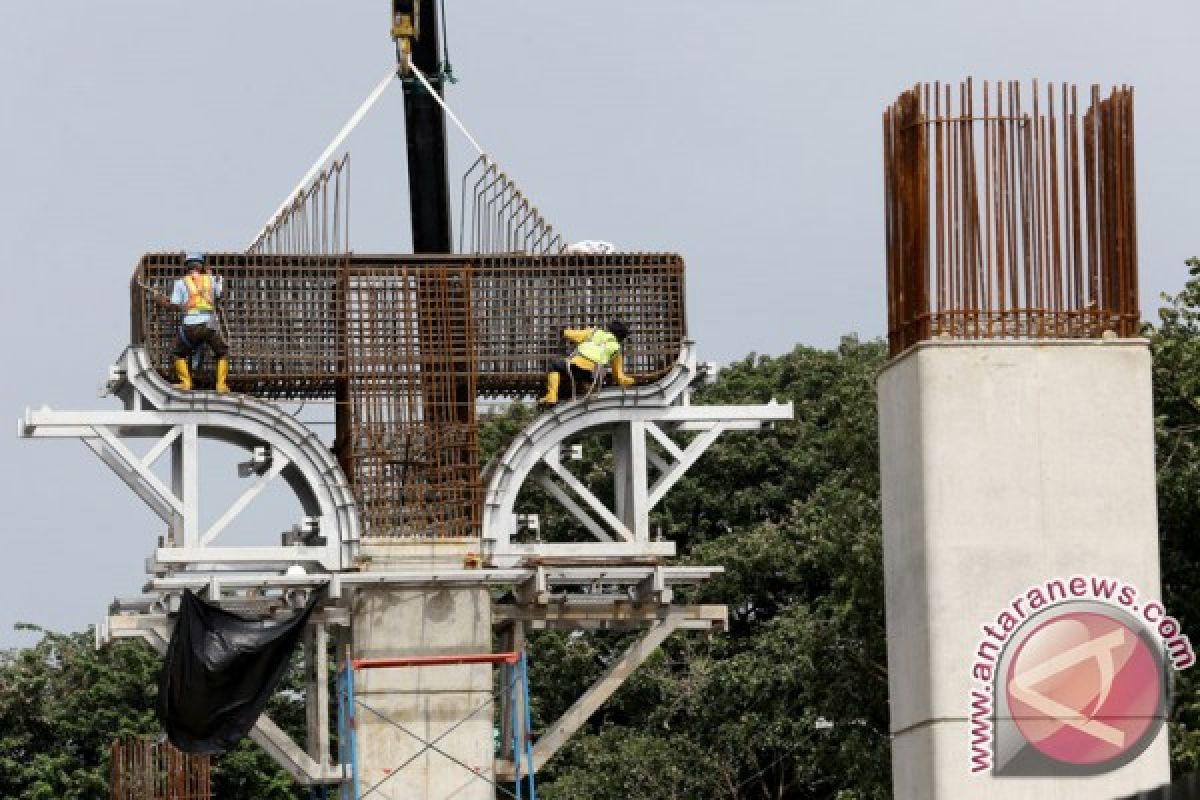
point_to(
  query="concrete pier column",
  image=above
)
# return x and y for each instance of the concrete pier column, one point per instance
(397, 705)
(1006, 465)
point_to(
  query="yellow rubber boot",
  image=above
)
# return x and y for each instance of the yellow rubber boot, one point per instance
(184, 374)
(551, 396)
(222, 376)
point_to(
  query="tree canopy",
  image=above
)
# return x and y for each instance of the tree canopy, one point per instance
(792, 703)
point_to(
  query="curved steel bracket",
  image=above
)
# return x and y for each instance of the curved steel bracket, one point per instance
(635, 417)
(278, 445)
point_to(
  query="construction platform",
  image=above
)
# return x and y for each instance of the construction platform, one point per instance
(403, 529)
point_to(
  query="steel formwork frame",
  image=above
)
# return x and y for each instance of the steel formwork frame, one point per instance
(1009, 217)
(404, 346)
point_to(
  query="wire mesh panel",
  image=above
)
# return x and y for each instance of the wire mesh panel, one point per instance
(523, 303)
(1009, 216)
(144, 769)
(404, 346)
(286, 320)
(281, 316)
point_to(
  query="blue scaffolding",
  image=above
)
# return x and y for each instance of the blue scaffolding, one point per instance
(524, 784)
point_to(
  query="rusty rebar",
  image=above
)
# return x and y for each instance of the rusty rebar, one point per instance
(317, 221)
(405, 344)
(146, 769)
(1024, 227)
(502, 219)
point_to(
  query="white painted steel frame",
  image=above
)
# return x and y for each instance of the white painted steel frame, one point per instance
(577, 597)
(314, 765)
(630, 415)
(178, 420)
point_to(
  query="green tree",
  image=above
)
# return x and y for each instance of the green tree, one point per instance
(790, 704)
(1175, 345)
(63, 702)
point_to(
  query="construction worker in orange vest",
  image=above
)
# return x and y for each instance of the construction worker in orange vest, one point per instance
(195, 294)
(595, 348)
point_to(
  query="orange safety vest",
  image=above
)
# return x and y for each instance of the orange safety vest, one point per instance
(200, 293)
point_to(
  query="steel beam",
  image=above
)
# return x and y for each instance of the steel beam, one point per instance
(618, 672)
(316, 657)
(177, 420)
(616, 616)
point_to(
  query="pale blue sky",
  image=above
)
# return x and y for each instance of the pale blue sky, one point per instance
(745, 136)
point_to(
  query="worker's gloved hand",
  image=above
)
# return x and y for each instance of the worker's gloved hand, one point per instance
(625, 380)
(162, 301)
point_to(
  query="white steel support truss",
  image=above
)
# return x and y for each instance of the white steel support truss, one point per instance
(279, 448)
(640, 422)
(538, 602)
(616, 588)
(658, 624)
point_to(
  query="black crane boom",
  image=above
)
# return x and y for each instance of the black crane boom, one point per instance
(415, 26)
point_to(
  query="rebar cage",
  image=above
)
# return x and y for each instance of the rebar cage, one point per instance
(405, 345)
(146, 769)
(1009, 219)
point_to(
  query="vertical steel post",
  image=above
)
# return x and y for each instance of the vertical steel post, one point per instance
(528, 726)
(352, 725)
(343, 739)
(518, 731)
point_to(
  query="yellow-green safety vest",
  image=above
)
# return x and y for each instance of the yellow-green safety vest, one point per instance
(600, 348)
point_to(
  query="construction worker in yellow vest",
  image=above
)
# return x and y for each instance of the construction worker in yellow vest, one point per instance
(595, 348)
(195, 294)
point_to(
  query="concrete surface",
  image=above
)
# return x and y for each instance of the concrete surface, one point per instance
(1005, 464)
(427, 701)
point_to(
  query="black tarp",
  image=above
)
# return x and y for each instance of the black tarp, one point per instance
(219, 673)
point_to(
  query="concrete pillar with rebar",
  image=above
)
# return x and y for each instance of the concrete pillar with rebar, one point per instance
(424, 731)
(404, 345)
(1017, 451)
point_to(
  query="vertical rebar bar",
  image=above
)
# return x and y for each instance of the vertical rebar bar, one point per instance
(1042, 251)
(146, 769)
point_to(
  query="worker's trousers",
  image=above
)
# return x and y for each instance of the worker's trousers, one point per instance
(191, 337)
(575, 379)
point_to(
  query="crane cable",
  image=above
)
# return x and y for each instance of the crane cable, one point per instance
(445, 108)
(349, 127)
